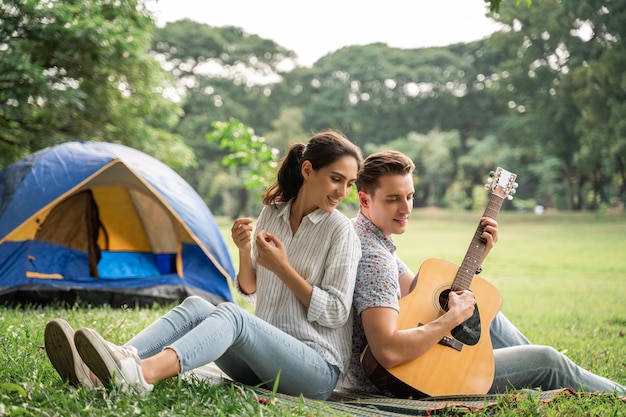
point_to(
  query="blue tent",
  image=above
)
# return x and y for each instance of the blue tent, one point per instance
(104, 223)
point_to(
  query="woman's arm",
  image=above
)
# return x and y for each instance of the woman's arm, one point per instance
(331, 301)
(241, 233)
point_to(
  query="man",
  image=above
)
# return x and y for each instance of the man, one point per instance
(385, 189)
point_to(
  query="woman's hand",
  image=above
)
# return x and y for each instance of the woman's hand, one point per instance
(241, 233)
(271, 253)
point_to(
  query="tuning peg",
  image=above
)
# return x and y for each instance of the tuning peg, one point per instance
(513, 191)
(515, 185)
(489, 180)
(492, 174)
(487, 187)
(509, 197)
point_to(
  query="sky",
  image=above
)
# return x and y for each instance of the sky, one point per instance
(314, 29)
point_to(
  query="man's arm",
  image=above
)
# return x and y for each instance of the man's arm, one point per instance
(407, 282)
(392, 346)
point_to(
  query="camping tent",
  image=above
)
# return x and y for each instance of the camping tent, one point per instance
(104, 223)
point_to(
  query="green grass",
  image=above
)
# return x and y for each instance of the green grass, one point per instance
(562, 277)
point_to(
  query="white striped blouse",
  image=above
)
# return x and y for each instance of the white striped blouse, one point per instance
(325, 251)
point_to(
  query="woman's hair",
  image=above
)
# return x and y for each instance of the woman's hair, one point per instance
(382, 163)
(323, 149)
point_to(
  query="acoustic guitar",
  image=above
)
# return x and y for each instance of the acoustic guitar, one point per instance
(462, 362)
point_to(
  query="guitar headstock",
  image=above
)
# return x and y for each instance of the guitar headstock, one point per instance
(502, 183)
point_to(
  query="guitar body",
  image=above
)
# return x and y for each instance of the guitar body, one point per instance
(444, 369)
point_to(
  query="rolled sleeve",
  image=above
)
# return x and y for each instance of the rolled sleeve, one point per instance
(319, 300)
(331, 300)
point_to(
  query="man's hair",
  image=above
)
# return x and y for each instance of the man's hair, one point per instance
(379, 164)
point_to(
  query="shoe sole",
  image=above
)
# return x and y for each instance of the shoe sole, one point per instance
(59, 344)
(93, 350)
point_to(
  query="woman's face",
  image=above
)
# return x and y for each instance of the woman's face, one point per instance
(326, 187)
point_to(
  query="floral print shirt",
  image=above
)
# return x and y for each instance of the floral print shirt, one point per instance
(377, 285)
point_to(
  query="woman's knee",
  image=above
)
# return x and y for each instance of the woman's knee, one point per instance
(233, 313)
(230, 308)
(196, 306)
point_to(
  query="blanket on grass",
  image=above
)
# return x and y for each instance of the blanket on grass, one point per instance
(362, 404)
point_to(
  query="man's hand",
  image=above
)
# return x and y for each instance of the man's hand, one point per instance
(490, 232)
(461, 304)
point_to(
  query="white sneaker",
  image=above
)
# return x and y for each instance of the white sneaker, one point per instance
(59, 343)
(112, 364)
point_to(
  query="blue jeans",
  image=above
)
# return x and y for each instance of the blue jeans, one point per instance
(520, 364)
(246, 348)
(537, 366)
(505, 334)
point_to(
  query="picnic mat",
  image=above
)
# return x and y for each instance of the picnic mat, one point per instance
(362, 404)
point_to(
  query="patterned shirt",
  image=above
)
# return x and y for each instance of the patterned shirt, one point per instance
(325, 251)
(377, 285)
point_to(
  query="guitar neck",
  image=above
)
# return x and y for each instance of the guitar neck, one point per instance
(474, 253)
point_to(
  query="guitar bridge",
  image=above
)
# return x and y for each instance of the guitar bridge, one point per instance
(448, 341)
(451, 342)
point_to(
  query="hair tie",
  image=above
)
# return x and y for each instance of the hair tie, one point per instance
(300, 154)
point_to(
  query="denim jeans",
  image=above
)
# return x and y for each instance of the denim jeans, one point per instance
(543, 367)
(505, 334)
(246, 348)
(520, 364)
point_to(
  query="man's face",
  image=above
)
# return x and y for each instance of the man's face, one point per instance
(390, 206)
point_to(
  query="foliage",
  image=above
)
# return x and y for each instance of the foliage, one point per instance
(75, 70)
(251, 160)
(536, 97)
(494, 5)
(558, 58)
(286, 129)
(221, 74)
(542, 97)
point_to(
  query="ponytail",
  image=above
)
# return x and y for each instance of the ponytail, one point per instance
(289, 178)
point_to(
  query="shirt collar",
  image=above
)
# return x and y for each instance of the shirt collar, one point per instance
(314, 217)
(363, 222)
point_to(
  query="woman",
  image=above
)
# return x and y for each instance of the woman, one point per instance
(301, 265)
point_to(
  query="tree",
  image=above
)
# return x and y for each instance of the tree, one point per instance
(600, 96)
(252, 162)
(494, 5)
(71, 70)
(221, 74)
(562, 79)
(287, 129)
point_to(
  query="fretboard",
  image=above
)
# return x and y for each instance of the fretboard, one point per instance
(470, 264)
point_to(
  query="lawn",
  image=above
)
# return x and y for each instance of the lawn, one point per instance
(562, 277)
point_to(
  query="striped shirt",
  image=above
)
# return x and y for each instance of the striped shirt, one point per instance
(325, 251)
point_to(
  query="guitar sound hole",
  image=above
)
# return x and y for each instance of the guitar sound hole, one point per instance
(443, 299)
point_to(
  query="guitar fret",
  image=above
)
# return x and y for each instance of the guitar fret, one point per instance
(467, 270)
